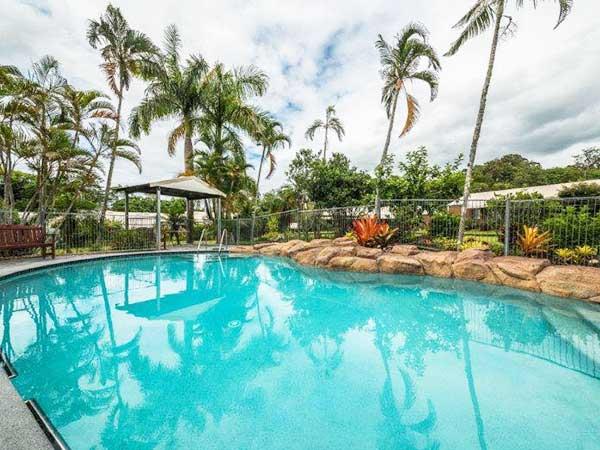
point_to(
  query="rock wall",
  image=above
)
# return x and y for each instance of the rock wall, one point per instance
(536, 275)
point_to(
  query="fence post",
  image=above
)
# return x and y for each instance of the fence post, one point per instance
(507, 227)
(237, 237)
(158, 219)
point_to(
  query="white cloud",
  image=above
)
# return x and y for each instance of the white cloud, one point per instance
(544, 102)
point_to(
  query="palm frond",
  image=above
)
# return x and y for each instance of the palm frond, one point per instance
(475, 22)
(412, 114)
(310, 132)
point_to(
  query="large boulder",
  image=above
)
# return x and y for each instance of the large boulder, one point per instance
(390, 263)
(518, 271)
(241, 249)
(472, 265)
(354, 263)
(405, 250)
(327, 253)
(344, 241)
(303, 246)
(473, 253)
(365, 252)
(437, 264)
(283, 248)
(263, 245)
(272, 250)
(307, 257)
(571, 281)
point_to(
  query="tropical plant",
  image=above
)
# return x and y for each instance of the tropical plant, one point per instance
(480, 17)
(565, 255)
(478, 244)
(331, 122)
(402, 64)
(371, 232)
(533, 241)
(585, 253)
(124, 51)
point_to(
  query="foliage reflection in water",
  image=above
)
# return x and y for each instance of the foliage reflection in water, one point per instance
(189, 351)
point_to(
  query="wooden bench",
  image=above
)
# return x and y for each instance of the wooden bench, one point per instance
(16, 237)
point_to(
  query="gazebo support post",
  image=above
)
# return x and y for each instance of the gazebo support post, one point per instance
(158, 230)
(218, 214)
(126, 210)
(189, 226)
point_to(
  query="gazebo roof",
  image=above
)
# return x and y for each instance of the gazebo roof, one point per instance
(190, 187)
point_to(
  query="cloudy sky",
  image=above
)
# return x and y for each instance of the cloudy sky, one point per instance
(544, 102)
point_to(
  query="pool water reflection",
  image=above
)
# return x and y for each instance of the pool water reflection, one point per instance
(197, 351)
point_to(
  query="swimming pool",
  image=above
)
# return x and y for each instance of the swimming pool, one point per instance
(199, 351)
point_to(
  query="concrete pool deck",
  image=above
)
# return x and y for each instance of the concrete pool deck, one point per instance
(19, 429)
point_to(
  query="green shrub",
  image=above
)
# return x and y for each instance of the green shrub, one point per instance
(573, 227)
(444, 224)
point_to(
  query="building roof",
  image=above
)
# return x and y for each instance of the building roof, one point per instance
(546, 191)
(190, 187)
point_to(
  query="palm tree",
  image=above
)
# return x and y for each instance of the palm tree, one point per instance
(482, 15)
(41, 106)
(174, 91)
(401, 64)
(270, 137)
(124, 52)
(331, 122)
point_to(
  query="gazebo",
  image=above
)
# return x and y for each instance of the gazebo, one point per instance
(188, 187)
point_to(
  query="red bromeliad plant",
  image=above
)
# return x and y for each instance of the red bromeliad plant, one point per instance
(371, 232)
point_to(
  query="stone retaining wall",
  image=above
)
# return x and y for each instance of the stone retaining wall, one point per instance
(536, 275)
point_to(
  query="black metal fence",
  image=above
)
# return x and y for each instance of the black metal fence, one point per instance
(565, 230)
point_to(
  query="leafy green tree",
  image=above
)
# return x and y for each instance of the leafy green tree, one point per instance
(124, 51)
(580, 190)
(331, 123)
(402, 64)
(335, 182)
(588, 159)
(299, 173)
(480, 17)
(508, 171)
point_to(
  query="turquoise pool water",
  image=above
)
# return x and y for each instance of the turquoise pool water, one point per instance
(201, 352)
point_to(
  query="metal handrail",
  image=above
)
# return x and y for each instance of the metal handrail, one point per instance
(223, 237)
(201, 239)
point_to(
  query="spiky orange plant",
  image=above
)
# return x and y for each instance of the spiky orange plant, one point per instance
(371, 232)
(532, 241)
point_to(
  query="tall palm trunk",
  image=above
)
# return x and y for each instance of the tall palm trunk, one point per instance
(325, 144)
(188, 154)
(113, 157)
(8, 190)
(260, 166)
(479, 123)
(384, 154)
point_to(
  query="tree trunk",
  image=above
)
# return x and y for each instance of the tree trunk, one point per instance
(478, 124)
(384, 154)
(113, 157)
(325, 144)
(188, 154)
(260, 166)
